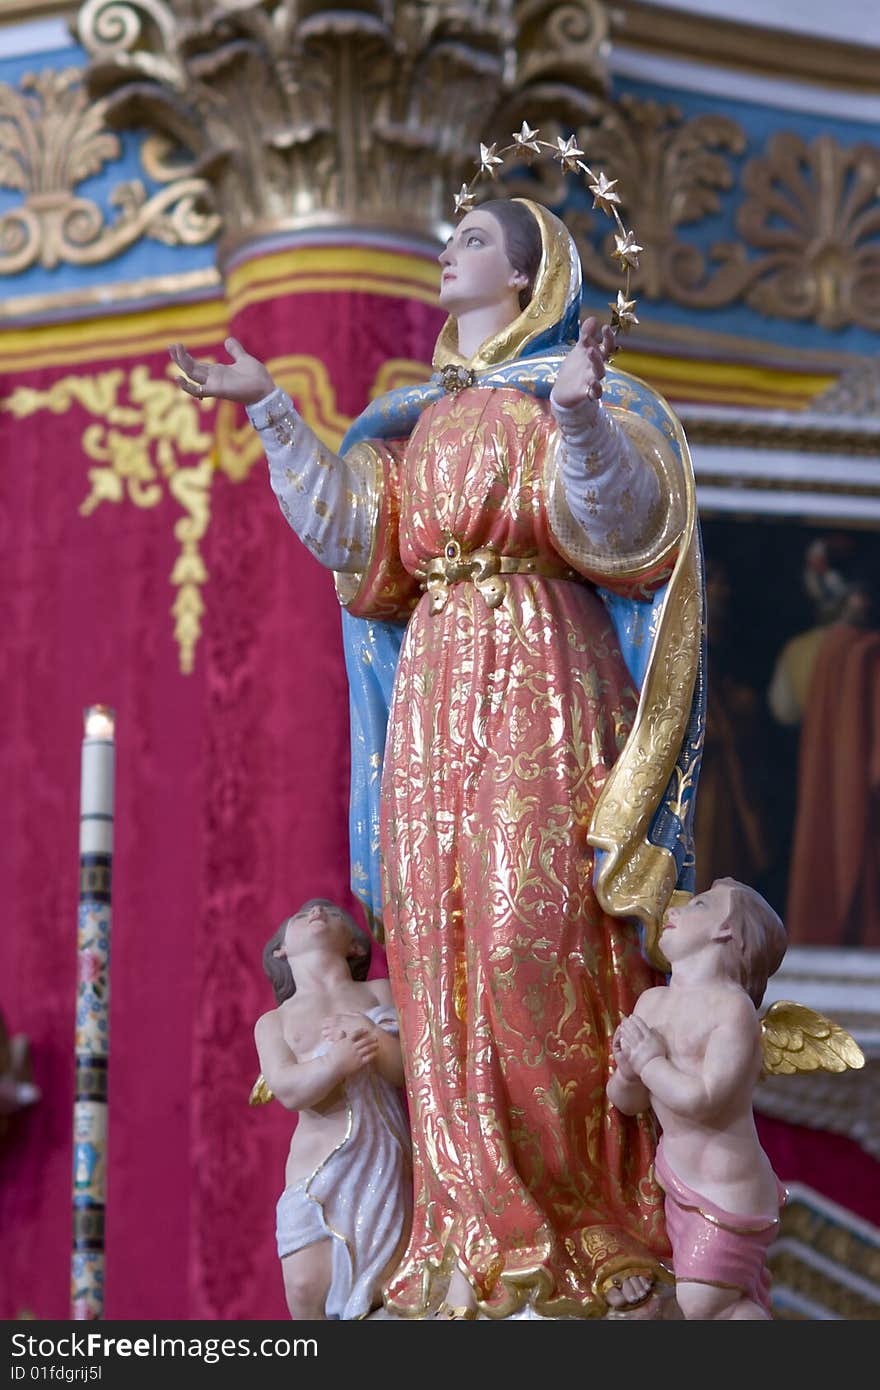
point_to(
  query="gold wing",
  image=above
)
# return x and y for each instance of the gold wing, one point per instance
(260, 1092)
(795, 1038)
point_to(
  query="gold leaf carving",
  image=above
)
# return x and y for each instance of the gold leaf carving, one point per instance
(51, 138)
(549, 33)
(261, 1092)
(670, 173)
(810, 212)
(815, 212)
(145, 426)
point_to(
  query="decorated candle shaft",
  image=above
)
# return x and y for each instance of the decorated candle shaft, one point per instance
(92, 1015)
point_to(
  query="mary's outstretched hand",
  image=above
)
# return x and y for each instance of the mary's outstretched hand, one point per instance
(580, 377)
(244, 379)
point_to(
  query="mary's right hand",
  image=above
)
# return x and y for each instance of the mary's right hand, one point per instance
(245, 379)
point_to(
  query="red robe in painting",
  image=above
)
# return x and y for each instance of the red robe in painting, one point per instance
(834, 883)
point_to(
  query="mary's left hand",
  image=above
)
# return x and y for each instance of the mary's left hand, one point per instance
(580, 377)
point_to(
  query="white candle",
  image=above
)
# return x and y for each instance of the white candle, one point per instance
(96, 782)
(92, 1041)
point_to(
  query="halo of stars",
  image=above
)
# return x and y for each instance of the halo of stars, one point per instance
(526, 144)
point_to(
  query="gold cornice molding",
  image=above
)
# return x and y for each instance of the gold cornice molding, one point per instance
(242, 89)
(696, 341)
(28, 11)
(825, 1258)
(726, 43)
(800, 218)
(844, 419)
(98, 300)
(834, 1231)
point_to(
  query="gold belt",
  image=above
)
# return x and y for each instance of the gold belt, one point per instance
(485, 569)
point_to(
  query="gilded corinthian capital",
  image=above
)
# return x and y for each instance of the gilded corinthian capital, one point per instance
(306, 113)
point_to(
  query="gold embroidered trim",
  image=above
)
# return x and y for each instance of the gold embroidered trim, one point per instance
(349, 1127)
(654, 548)
(724, 1225)
(364, 460)
(637, 877)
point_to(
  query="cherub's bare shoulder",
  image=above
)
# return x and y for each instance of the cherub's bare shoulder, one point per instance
(735, 1006)
(649, 1003)
(268, 1025)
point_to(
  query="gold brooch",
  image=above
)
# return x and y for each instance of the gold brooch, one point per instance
(455, 378)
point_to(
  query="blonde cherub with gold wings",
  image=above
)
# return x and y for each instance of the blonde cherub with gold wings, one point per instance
(694, 1050)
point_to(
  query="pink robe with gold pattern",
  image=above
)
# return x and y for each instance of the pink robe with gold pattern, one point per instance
(509, 978)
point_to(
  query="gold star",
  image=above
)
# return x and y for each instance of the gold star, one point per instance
(627, 250)
(567, 152)
(464, 199)
(525, 140)
(603, 193)
(623, 312)
(489, 160)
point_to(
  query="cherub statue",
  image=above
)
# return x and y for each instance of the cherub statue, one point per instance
(694, 1050)
(331, 1051)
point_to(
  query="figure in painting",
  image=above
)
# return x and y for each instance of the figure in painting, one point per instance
(825, 582)
(331, 1051)
(692, 1050)
(514, 527)
(828, 680)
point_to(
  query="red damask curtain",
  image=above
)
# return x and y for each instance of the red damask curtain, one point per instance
(144, 564)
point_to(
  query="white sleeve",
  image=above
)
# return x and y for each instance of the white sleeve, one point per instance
(611, 491)
(325, 500)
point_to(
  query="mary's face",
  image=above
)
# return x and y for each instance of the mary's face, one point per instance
(476, 271)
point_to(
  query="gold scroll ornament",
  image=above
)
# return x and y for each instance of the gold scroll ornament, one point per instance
(147, 439)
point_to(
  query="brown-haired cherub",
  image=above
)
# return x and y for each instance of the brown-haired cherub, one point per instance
(331, 1051)
(694, 1050)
